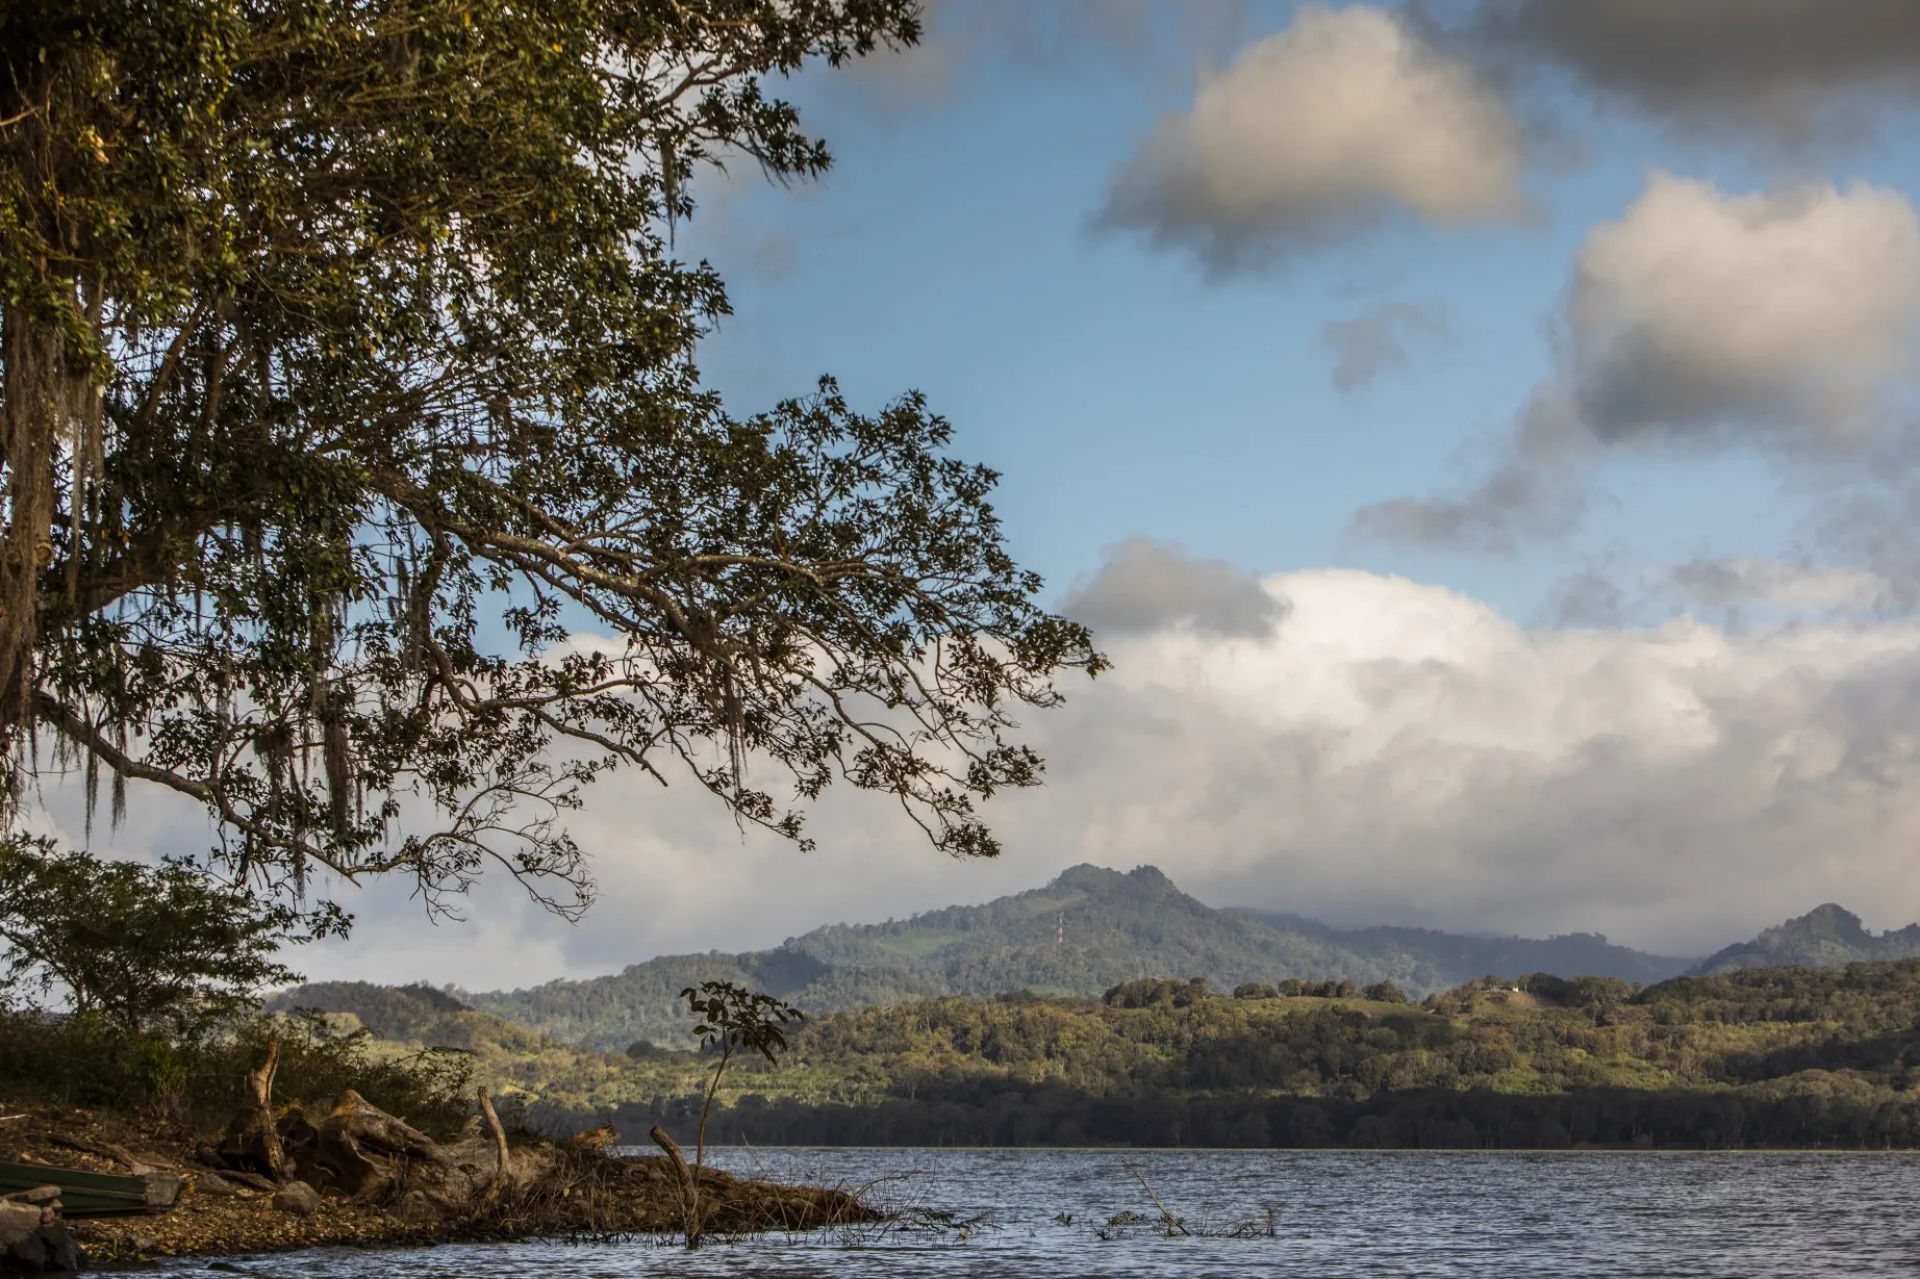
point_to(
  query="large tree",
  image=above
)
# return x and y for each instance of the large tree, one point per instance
(347, 376)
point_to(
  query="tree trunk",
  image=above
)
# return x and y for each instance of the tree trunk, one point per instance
(33, 403)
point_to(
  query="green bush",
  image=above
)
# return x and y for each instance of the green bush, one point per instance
(148, 948)
(1295, 987)
(1151, 992)
(147, 979)
(1578, 992)
(87, 1060)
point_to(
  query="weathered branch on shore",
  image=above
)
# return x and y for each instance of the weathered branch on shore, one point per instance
(261, 1082)
(502, 1160)
(689, 1191)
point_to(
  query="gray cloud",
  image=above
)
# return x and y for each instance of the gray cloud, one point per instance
(1316, 132)
(963, 43)
(1379, 341)
(1515, 502)
(1586, 600)
(1877, 527)
(1797, 586)
(1146, 586)
(1530, 493)
(1789, 70)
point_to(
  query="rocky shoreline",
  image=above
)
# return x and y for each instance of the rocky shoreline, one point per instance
(352, 1175)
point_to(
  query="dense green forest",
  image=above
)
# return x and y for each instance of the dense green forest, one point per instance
(1773, 1057)
(1087, 930)
(1764, 1057)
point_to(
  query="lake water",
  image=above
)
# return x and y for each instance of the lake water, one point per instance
(1047, 1213)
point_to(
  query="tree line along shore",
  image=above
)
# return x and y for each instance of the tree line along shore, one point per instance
(1780, 1057)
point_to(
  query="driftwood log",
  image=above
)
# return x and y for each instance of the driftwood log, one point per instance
(350, 1149)
(353, 1149)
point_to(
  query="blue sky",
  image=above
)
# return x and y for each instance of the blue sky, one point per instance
(1125, 393)
(1482, 434)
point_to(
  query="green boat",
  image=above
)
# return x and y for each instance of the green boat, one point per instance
(94, 1194)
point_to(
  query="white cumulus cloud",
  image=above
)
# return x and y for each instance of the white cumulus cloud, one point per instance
(1378, 751)
(1316, 131)
(1401, 752)
(1793, 310)
(1386, 751)
(1787, 319)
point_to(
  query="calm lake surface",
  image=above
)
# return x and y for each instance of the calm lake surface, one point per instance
(1046, 1213)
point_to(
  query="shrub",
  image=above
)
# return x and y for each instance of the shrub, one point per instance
(1578, 992)
(733, 1018)
(1293, 986)
(147, 979)
(1154, 992)
(87, 1060)
(148, 948)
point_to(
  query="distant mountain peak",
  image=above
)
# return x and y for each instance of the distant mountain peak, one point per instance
(1087, 878)
(1828, 920)
(1828, 936)
(1091, 879)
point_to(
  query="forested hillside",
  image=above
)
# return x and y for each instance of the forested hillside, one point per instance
(1464, 957)
(1778, 1057)
(1087, 930)
(1764, 1057)
(514, 1060)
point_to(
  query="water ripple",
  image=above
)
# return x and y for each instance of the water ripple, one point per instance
(1324, 1214)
